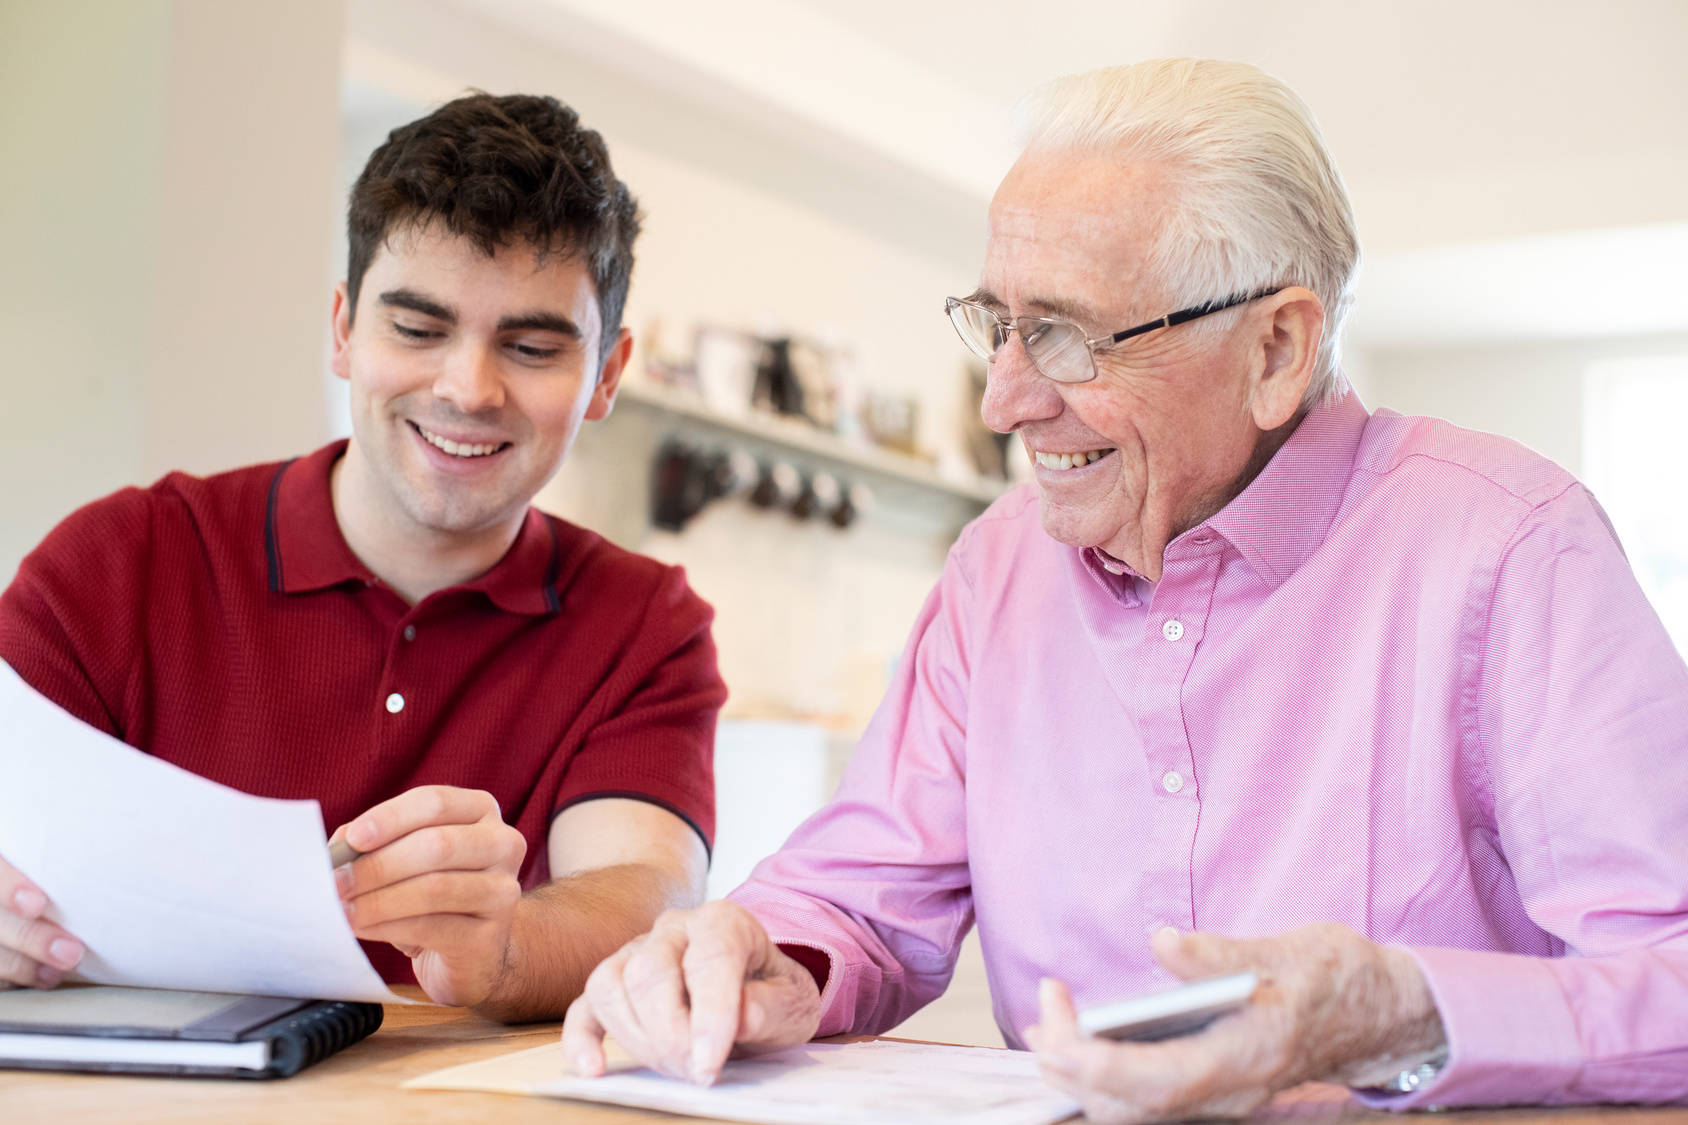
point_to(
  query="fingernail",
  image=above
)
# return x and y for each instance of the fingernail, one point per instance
(700, 1063)
(343, 879)
(347, 907)
(65, 953)
(1046, 990)
(360, 834)
(29, 901)
(1164, 930)
(49, 976)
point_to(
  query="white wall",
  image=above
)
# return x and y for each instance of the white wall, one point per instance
(166, 172)
(1531, 392)
(807, 616)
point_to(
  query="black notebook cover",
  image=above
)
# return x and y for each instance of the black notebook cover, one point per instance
(105, 1029)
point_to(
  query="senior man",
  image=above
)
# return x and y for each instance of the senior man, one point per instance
(1251, 679)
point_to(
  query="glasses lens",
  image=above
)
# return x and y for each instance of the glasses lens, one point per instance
(978, 327)
(1058, 349)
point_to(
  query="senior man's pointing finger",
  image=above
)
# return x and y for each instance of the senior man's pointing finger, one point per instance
(701, 985)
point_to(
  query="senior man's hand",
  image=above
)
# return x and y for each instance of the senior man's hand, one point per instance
(1331, 1007)
(702, 984)
(34, 953)
(439, 879)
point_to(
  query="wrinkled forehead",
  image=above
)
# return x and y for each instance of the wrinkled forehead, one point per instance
(1075, 228)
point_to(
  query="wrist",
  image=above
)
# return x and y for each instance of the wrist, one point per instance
(495, 975)
(1411, 1037)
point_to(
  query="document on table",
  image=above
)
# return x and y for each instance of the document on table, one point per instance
(882, 1082)
(171, 881)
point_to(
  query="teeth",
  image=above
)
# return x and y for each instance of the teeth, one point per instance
(455, 448)
(1070, 460)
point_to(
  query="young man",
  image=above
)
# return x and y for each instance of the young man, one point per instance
(512, 719)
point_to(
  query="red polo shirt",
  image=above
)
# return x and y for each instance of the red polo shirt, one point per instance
(223, 624)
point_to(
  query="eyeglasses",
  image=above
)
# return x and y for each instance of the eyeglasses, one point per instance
(1059, 348)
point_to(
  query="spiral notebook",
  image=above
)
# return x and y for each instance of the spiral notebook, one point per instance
(110, 1029)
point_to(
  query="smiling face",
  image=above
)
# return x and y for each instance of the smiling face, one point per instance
(1168, 431)
(470, 376)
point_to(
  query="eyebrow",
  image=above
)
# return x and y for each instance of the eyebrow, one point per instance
(536, 321)
(1049, 306)
(540, 322)
(416, 302)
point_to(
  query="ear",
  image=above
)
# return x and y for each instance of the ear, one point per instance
(340, 360)
(609, 377)
(1288, 351)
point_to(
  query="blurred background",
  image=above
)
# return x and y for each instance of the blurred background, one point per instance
(799, 429)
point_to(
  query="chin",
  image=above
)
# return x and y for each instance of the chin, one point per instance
(1075, 527)
(460, 515)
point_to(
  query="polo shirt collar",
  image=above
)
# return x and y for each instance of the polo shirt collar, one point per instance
(1284, 514)
(305, 550)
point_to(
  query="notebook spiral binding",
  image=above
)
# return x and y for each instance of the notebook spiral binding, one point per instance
(307, 1037)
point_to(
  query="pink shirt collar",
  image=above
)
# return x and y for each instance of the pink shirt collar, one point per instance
(1280, 519)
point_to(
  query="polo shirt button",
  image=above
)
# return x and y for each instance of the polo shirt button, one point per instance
(1172, 630)
(410, 632)
(1172, 781)
(395, 703)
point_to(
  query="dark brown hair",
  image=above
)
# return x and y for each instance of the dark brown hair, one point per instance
(501, 170)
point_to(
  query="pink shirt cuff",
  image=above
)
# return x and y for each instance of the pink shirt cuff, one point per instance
(1511, 1036)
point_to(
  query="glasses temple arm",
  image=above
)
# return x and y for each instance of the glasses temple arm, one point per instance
(1195, 312)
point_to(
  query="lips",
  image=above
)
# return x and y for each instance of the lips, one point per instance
(463, 449)
(1061, 462)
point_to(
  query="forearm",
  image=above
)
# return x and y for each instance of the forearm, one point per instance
(563, 929)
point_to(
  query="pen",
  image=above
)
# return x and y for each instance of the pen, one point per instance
(341, 853)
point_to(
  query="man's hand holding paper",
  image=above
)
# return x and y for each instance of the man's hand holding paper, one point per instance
(438, 879)
(168, 880)
(34, 953)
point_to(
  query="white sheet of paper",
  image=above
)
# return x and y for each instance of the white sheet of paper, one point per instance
(171, 881)
(883, 1082)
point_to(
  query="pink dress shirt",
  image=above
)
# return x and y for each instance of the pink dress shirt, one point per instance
(1405, 682)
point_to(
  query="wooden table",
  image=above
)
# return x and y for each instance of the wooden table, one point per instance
(359, 1086)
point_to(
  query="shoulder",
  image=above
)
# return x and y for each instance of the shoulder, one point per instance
(601, 580)
(1443, 461)
(1003, 538)
(113, 542)
(234, 501)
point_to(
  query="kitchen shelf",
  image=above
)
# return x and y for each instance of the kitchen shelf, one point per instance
(803, 443)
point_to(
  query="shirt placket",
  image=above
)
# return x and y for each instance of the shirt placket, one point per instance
(397, 694)
(1174, 627)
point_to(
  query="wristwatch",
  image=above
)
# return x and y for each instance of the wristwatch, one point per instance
(1415, 1078)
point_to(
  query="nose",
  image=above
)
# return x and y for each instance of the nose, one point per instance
(1015, 392)
(470, 380)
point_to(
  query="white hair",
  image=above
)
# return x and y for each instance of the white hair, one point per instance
(1259, 200)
